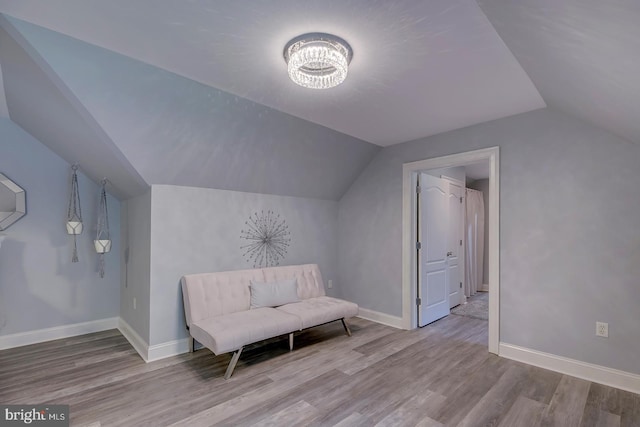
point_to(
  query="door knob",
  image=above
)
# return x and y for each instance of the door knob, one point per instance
(449, 253)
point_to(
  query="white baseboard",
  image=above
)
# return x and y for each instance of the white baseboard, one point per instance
(150, 353)
(168, 349)
(55, 333)
(376, 316)
(136, 341)
(576, 368)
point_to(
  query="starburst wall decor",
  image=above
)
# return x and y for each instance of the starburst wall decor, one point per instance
(266, 237)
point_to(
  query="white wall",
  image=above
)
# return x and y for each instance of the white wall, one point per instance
(39, 285)
(569, 233)
(196, 230)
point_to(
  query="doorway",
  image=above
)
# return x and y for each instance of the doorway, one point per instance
(409, 256)
(439, 245)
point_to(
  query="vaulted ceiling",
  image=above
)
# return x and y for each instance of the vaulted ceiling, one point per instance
(582, 55)
(186, 92)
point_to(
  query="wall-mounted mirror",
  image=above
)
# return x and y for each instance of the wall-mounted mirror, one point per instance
(13, 202)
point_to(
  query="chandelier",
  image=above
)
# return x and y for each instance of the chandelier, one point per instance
(317, 60)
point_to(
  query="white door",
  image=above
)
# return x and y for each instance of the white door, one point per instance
(433, 227)
(454, 250)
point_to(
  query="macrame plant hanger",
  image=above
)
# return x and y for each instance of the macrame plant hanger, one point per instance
(74, 213)
(102, 242)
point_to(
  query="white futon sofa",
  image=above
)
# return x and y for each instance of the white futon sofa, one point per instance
(228, 310)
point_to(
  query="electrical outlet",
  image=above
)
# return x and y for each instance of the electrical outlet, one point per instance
(330, 284)
(134, 303)
(602, 329)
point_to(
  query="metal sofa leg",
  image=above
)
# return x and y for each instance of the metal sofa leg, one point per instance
(232, 363)
(291, 341)
(346, 327)
(192, 344)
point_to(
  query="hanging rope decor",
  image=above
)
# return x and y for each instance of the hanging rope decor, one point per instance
(102, 242)
(74, 212)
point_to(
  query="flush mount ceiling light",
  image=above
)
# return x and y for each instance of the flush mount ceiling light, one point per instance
(317, 60)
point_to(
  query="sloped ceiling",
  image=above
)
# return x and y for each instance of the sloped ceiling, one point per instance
(419, 67)
(39, 102)
(196, 93)
(176, 131)
(582, 55)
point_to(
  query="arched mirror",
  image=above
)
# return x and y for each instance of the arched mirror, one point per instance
(13, 202)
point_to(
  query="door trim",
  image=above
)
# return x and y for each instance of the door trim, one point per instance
(409, 174)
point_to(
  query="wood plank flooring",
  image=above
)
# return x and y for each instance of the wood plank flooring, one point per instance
(440, 375)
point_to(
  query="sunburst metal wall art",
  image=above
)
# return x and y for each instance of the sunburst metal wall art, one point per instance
(266, 239)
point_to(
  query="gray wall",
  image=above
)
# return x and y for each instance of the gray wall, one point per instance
(136, 227)
(4, 111)
(569, 233)
(196, 230)
(483, 185)
(39, 285)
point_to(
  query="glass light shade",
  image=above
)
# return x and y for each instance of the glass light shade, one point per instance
(317, 61)
(74, 227)
(102, 246)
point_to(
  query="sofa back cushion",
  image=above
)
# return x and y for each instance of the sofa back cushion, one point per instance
(274, 294)
(310, 284)
(213, 294)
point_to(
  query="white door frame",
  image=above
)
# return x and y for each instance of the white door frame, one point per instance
(409, 173)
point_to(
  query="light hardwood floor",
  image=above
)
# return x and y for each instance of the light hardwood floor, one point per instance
(437, 375)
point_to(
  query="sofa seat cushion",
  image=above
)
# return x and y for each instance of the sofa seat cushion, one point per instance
(222, 334)
(319, 310)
